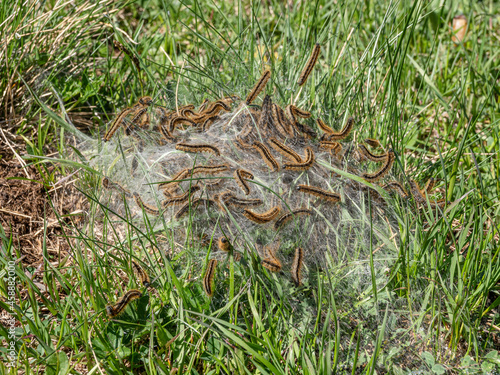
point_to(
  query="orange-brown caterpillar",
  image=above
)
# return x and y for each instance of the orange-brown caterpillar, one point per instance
(377, 175)
(278, 120)
(235, 201)
(178, 199)
(132, 57)
(306, 164)
(372, 142)
(239, 176)
(143, 276)
(108, 184)
(398, 188)
(208, 279)
(266, 155)
(334, 147)
(285, 150)
(203, 105)
(116, 309)
(259, 86)
(288, 216)
(270, 261)
(418, 195)
(224, 244)
(316, 191)
(264, 217)
(297, 266)
(324, 127)
(299, 112)
(204, 147)
(208, 122)
(370, 156)
(145, 101)
(346, 130)
(175, 180)
(185, 208)
(175, 120)
(310, 65)
(429, 185)
(146, 207)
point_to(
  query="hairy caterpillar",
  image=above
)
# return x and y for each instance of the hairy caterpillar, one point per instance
(178, 199)
(132, 57)
(316, 191)
(418, 195)
(306, 164)
(373, 157)
(283, 120)
(278, 120)
(288, 216)
(197, 148)
(208, 279)
(235, 201)
(270, 261)
(398, 188)
(264, 217)
(143, 276)
(344, 133)
(259, 86)
(116, 309)
(377, 175)
(208, 122)
(266, 155)
(185, 208)
(108, 185)
(334, 147)
(310, 65)
(297, 266)
(324, 127)
(299, 112)
(144, 101)
(429, 185)
(239, 176)
(146, 207)
(224, 244)
(372, 142)
(203, 105)
(285, 150)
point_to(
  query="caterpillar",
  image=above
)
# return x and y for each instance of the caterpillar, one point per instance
(178, 199)
(270, 261)
(398, 188)
(259, 86)
(108, 185)
(299, 112)
(235, 201)
(205, 147)
(203, 105)
(429, 185)
(316, 191)
(146, 207)
(310, 65)
(283, 120)
(208, 279)
(185, 208)
(222, 198)
(334, 147)
(372, 142)
(373, 157)
(278, 121)
(143, 276)
(239, 176)
(305, 129)
(175, 180)
(324, 127)
(209, 122)
(377, 175)
(116, 309)
(266, 155)
(304, 165)
(210, 169)
(224, 244)
(264, 217)
(418, 195)
(285, 150)
(297, 266)
(132, 57)
(138, 115)
(117, 122)
(344, 133)
(288, 216)
(175, 120)
(265, 114)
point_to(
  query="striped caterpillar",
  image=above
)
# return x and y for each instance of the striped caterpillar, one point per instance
(372, 142)
(143, 276)
(117, 122)
(208, 279)
(377, 175)
(370, 156)
(310, 65)
(429, 185)
(175, 120)
(204, 147)
(270, 261)
(108, 185)
(398, 188)
(288, 216)
(129, 53)
(299, 112)
(186, 172)
(331, 135)
(178, 199)
(116, 309)
(224, 244)
(306, 164)
(297, 266)
(264, 217)
(185, 208)
(285, 150)
(419, 195)
(259, 86)
(284, 127)
(240, 175)
(266, 155)
(334, 147)
(316, 191)
(146, 207)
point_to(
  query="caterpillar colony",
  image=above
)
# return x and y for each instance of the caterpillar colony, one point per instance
(251, 174)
